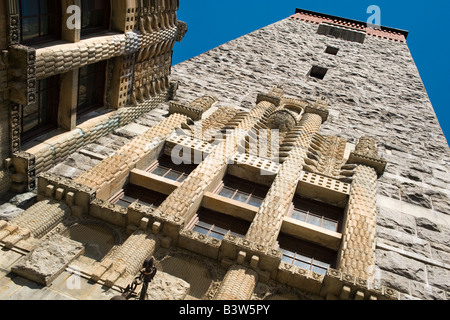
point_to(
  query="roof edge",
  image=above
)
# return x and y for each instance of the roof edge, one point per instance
(351, 21)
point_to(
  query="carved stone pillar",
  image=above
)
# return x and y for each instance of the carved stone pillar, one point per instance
(238, 284)
(267, 223)
(357, 255)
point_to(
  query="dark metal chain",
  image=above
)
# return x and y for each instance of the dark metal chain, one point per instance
(147, 274)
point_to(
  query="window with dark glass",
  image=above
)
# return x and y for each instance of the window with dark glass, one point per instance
(132, 193)
(95, 15)
(165, 168)
(42, 116)
(91, 87)
(317, 213)
(40, 20)
(306, 255)
(243, 191)
(217, 225)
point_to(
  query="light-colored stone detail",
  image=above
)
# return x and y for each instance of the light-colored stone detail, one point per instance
(238, 284)
(358, 245)
(49, 260)
(42, 217)
(267, 223)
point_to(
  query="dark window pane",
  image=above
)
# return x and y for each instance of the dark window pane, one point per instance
(240, 196)
(254, 201)
(30, 123)
(29, 8)
(329, 225)
(41, 117)
(299, 215)
(226, 192)
(95, 15)
(220, 224)
(314, 220)
(91, 87)
(160, 171)
(30, 28)
(40, 20)
(173, 175)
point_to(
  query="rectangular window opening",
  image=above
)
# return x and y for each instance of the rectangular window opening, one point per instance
(217, 225)
(40, 21)
(318, 72)
(166, 168)
(306, 255)
(332, 50)
(95, 16)
(41, 117)
(243, 191)
(132, 193)
(91, 87)
(317, 213)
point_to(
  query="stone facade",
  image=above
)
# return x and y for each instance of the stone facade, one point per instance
(268, 168)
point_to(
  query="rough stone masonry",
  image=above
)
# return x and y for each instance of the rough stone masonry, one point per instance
(374, 90)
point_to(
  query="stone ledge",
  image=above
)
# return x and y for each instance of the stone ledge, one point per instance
(45, 263)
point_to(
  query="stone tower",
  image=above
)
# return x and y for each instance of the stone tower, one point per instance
(301, 161)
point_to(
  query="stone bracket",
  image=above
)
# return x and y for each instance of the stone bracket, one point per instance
(377, 163)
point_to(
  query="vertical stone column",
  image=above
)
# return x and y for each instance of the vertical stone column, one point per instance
(267, 223)
(238, 284)
(68, 99)
(357, 255)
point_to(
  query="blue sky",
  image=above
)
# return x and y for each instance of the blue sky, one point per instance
(213, 22)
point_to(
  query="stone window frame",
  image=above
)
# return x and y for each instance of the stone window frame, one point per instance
(132, 193)
(299, 250)
(55, 25)
(325, 215)
(217, 225)
(53, 93)
(165, 164)
(246, 185)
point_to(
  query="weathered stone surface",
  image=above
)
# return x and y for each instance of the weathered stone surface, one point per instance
(23, 200)
(392, 219)
(46, 262)
(400, 265)
(9, 211)
(167, 287)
